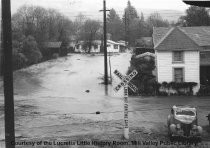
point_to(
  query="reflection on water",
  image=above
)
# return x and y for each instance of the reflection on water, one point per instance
(106, 90)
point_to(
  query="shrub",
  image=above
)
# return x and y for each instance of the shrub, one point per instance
(19, 60)
(163, 93)
(179, 87)
(31, 50)
(55, 55)
(204, 91)
(144, 80)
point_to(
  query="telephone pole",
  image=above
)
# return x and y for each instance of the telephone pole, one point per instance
(105, 46)
(8, 75)
(125, 27)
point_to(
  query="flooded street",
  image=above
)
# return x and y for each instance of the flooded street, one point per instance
(60, 98)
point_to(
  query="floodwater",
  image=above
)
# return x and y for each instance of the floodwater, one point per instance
(61, 97)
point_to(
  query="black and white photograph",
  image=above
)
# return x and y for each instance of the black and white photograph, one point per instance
(105, 74)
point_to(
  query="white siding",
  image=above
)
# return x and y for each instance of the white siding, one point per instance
(79, 49)
(164, 66)
(93, 50)
(191, 67)
(111, 48)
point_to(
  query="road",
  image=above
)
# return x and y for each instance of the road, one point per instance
(51, 100)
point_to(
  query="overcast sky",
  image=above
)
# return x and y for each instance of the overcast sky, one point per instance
(68, 6)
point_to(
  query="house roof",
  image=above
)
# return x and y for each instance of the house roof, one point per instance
(98, 42)
(112, 42)
(121, 42)
(199, 35)
(144, 42)
(145, 54)
(174, 39)
(52, 44)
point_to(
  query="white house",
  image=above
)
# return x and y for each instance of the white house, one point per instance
(95, 48)
(112, 46)
(180, 54)
(123, 45)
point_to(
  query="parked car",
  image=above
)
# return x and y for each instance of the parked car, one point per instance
(183, 122)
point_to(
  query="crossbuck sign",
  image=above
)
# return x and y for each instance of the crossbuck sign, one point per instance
(126, 83)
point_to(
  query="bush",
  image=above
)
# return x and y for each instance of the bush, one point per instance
(55, 55)
(144, 80)
(163, 93)
(204, 91)
(19, 60)
(181, 88)
(31, 50)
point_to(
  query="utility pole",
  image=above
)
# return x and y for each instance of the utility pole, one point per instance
(105, 46)
(8, 74)
(127, 38)
(126, 29)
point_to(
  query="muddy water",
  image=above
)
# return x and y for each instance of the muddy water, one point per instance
(60, 98)
(66, 86)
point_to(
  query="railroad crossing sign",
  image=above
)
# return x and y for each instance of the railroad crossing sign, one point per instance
(126, 80)
(126, 83)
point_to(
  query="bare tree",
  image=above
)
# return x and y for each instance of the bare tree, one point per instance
(88, 33)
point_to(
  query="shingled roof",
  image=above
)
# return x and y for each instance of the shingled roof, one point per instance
(199, 36)
(52, 44)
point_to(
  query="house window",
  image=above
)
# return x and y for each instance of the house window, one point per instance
(178, 56)
(178, 74)
(115, 46)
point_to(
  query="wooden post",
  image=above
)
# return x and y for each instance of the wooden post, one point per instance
(8, 74)
(105, 48)
(126, 126)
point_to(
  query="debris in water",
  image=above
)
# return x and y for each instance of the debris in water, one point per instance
(97, 112)
(87, 91)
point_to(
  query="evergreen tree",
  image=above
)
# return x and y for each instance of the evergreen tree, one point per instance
(115, 26)
(131, 21)
(195, 16)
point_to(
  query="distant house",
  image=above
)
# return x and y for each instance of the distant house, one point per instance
(96, 47)
(51, 48)
(72, 43)
(113, 46)
(144, 42)
(123, 45)
(182, 54)
(143, 45)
